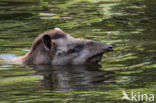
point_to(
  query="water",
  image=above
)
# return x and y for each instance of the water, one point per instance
(128, 25)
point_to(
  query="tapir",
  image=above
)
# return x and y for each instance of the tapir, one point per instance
(56, 47)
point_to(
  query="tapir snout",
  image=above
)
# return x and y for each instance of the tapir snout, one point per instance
(97, 50)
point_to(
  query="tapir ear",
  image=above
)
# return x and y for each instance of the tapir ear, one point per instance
(47, 42)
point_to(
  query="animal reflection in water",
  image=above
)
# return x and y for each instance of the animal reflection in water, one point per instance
(71, 77)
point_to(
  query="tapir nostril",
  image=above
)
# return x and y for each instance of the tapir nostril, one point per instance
(110, 48)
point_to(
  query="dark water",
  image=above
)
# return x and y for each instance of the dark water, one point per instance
(129, 25)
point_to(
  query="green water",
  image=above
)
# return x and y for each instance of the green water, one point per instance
(129, 25)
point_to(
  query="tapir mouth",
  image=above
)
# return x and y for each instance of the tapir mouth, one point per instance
(95, 58)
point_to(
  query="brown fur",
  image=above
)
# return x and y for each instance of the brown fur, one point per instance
(58, 48)
(29, 58)
(54, 34)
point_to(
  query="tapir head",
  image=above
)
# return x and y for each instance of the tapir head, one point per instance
(56, 47)
(64, 49)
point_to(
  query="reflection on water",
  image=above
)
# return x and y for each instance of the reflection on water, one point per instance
(71, 77)
(128, 25)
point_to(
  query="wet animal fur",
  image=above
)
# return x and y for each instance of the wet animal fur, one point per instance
(58, 48)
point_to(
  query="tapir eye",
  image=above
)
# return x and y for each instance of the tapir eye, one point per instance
(77, 49)
(72, 51)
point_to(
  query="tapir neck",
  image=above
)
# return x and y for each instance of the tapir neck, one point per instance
(37, 56)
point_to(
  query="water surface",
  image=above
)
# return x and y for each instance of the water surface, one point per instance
(128, 25)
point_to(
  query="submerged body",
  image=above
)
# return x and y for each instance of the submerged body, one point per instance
(58, 48)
